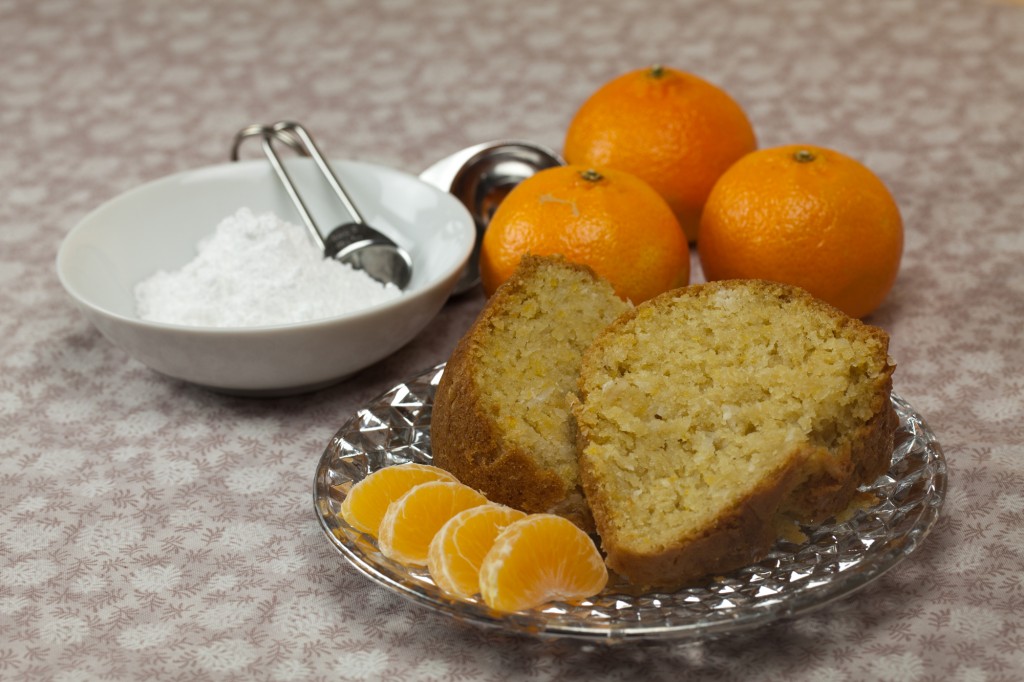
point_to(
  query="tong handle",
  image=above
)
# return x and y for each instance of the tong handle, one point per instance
(296, 136)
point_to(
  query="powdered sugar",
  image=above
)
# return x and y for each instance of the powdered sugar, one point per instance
(254, 271)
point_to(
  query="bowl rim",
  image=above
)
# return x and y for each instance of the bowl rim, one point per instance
(407, 296)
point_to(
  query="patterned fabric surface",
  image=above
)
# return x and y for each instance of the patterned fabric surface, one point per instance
(154, 530)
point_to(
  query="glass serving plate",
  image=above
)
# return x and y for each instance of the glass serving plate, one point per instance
(837, 558)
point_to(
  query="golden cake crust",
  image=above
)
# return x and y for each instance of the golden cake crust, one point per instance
(468, 435)
(467, 442)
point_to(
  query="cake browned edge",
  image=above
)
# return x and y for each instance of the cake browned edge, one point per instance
(465, 441)
(746, 532)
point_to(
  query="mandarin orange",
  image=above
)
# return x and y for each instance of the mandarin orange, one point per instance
(458, 549)
(368, 500)
(414, 518)
(672, 129)
(607, 219)
(538, 559)
(807, 216)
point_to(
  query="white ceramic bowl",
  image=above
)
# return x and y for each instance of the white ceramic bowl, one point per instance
(158, 225)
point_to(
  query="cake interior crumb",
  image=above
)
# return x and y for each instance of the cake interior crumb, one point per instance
(686, 412)
(530, 363)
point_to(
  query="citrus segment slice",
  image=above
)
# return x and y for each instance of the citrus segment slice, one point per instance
(458, 549)
(538, 559)
(414, 518)
(368, 500)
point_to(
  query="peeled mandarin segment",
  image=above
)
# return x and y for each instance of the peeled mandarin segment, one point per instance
(368, 500)
(458, 549)
(539, 559)
(413, 519)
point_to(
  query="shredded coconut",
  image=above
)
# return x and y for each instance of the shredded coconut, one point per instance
(254, 271)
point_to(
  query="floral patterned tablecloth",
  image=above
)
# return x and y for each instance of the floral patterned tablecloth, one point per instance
(154, 530)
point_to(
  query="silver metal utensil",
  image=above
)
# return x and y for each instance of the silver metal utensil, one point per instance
(355, 242)
(480, 177)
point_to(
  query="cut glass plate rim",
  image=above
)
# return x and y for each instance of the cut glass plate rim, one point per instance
(837, 559)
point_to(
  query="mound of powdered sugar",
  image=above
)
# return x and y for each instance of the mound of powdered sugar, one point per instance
(254, 271)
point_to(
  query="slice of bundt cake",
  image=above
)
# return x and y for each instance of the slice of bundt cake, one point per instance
(501, 419)
(710, 412)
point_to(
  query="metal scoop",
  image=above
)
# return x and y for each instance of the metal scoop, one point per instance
(480, 177)
(354, 243)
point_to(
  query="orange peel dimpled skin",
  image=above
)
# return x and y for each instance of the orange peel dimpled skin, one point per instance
(672, 129)
(807, 216)
(609, 220)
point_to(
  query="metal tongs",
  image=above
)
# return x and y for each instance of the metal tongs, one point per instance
(355, 242)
